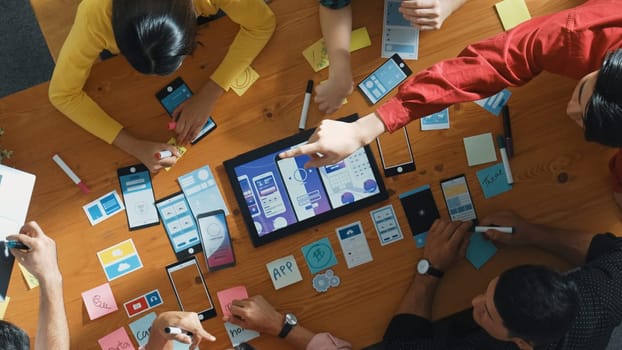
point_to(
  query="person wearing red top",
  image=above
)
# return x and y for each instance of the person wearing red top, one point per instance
(582, 43)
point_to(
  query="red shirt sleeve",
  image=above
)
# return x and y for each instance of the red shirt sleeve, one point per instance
(615, 166)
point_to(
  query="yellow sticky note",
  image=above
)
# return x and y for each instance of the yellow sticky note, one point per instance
(3, 305)
(512, 13)
(317, 56)
(180, 149)
(244, 81)
(31, 280)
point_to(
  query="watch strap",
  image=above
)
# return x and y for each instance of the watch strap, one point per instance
(285, 330)
(434, 272)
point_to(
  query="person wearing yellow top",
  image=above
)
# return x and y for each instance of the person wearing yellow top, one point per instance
(154, 36)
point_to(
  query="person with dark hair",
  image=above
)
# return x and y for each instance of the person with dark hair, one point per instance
(526, 307)
(40, 259)
(583, 43)
(154, 36)
(336, 24)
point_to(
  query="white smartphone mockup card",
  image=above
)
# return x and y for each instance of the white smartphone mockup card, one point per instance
(354, 244)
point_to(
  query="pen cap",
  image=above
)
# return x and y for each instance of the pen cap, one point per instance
(500, 141)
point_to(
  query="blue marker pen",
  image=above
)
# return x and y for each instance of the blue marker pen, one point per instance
(16, 244)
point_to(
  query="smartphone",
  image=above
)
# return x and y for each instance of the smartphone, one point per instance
(172, 95)
(216, 240)
(270, 196)
(384, 79)
(395, 153)
(190, 288)
(249, 196)
(179, 225)
(138, 196)
(458, 199)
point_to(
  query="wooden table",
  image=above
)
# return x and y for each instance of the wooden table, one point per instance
(546, 143)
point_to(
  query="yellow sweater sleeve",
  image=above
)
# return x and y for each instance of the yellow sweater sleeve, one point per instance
(257, 23)
(90, 34)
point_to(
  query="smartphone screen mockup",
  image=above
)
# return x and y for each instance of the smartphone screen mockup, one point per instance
(190, 288)
(458, 199)
(179, 225)
(174, 94)
(270, 197)
(216, 240)
(138, 196)
(249, 195)
(384, 79)
(395, 153)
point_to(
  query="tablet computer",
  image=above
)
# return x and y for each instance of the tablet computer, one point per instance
(278, 197)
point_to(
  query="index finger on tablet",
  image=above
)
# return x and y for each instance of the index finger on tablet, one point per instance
(307, 149)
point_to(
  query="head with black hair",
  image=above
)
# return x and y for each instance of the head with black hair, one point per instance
(529, 305)
(154, 35)
(13, 337)
(596, 104)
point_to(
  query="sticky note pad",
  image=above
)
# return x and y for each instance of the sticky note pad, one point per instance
(239, 335)
(480, 250)
(480, 149)
(99, 301)
(225, 297)
(141, 328)
(181, 149)
(3, 306)
(284, 271)
(493, 180)
(116, 340)
(512, 13)
(319, 255)
(241, 84)
(317, 55)
(31, 280)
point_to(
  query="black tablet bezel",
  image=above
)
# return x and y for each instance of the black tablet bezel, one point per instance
(257, 240)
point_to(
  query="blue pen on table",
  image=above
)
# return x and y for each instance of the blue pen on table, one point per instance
(507, 131)
(15, 244)
(305, 106)
(505, 160)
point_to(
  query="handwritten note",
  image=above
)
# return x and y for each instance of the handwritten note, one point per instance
(238, 334)
(493, 180)
(317, 55)
(99, 301)
(141, 328)
(225, 297)
(512, 13)
(242, 83)
(284, 271)
(117, 340)
(31, 280)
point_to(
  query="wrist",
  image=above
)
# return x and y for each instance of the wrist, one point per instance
(277, 324)
(51, 279)
(368, 128)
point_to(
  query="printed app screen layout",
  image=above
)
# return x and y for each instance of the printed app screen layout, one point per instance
(176, 97)
(383, 80)
(280, 192)
(138, 197)
(458, 199)
(179, 222)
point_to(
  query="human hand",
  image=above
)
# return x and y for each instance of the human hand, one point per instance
(257, 314)
(187, 321)
(41, 258)
(446, 242)
(193, 113)
(523, 230)
(146, 152)
(428, 14)
(330, 95)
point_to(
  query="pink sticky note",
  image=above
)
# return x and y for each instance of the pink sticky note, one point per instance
(99, 301)
(225, 297)
(116, 340)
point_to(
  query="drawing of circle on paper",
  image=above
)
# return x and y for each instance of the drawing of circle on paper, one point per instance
(244, 81)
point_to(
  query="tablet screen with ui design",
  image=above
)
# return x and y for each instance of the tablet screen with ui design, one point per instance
(278, 197)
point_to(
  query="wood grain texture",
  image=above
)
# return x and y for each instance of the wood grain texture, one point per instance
(546, 142)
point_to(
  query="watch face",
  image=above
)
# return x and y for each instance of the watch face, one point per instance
(422, 266)
(291, 319)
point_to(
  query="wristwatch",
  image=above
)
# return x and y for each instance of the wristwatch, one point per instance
(290, 322)
(425, 268)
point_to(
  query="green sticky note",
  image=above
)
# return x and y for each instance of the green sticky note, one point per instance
(480, 149)
(512, 13)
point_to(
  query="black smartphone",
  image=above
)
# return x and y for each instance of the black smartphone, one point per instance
(179, 225)
(216, 240)
(395, 153)
(138, 196)
(190, 288)
(458, 198)
(384, 79)
(174, 94)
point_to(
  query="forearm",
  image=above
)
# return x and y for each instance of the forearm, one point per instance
(568, 244)
(369, 127)
(336, 27)
(419, 297)
(52, 329)
(210, 92)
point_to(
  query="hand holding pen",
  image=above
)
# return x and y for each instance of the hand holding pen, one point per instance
(184, 327)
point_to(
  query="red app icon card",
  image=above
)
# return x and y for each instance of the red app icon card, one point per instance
(136, 306)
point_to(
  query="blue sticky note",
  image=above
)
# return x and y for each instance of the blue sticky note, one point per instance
(319, 255)
(494, 104)
(493, 180)
(141, 328)
(420, 239)
(480, 250)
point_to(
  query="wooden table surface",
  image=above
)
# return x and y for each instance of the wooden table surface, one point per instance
(546, 142)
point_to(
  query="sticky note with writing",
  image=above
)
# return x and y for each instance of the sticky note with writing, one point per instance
(225, 297)
(238, 334)
(493, 180)
(284, 271)
(99, 301)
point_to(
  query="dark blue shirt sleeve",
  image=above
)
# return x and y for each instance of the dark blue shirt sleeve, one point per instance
(335, 4)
